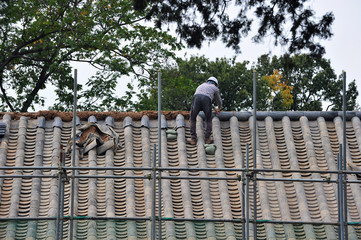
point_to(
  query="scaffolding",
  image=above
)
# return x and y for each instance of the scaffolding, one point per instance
(246, 174)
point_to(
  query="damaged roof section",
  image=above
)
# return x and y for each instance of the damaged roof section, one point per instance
(306, 143)
(92, 135)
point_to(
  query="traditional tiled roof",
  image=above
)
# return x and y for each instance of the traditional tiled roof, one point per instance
(120, 207)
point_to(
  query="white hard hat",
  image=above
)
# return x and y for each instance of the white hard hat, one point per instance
(213, 79)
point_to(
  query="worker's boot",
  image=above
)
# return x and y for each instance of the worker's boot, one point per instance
(209, 140)
(192, 141)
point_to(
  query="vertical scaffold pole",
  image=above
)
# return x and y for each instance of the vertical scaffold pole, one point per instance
(340, 195)
(344, 176)
(159, 156)
(247, 191)
(243, 200)
(254, 153)
(71, 234)
(59, 219)
(153, 237)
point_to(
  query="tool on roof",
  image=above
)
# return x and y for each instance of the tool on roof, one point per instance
(210, 148)
(171, 134)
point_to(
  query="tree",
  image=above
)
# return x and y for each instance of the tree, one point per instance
(336, 96)
(299, 82)
(38, 44)
(235, 83)
(180, 80)
(39, 39)
(312, 79)
(280, 97)
(198, 21)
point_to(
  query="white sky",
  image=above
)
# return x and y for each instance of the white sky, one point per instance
(343, 49)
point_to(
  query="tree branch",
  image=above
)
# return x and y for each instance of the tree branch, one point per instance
(5, 96)
(39, 84)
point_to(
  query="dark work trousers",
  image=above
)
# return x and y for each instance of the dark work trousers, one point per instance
(201, 103)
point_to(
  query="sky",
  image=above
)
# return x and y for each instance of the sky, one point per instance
(343, 49)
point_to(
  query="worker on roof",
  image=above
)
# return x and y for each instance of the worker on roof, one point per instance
(202, 101)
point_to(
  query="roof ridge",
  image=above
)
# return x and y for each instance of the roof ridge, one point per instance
(223, 116)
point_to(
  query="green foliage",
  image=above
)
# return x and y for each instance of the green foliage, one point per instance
(300, 83)
(39, 39)
(312, 78)
(336, 97)
(177, 90)
(180, 81)
(235, 83)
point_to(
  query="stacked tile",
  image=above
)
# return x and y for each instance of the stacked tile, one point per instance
(36, 182)
(50, 190)
(18, 197)
(205, 186)
(109, 186)
(93, 189)
(301, 201)
(223, 195)
(2, 129)
(167, 149)
(4, 146)
(5, 189)
(353, 190)
(267, 208)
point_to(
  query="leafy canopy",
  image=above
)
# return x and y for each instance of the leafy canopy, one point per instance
(280, 91)
(300, 83)
(313, 81)
(180, 80)
(39, 39)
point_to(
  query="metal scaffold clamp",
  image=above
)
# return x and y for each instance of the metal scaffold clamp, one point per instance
(149, 176)
(239, 176)
(63, 175)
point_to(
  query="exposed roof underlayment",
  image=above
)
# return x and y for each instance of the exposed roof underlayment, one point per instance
(289, 141)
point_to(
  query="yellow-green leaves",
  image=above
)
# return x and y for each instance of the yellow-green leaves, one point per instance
(280, 86)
